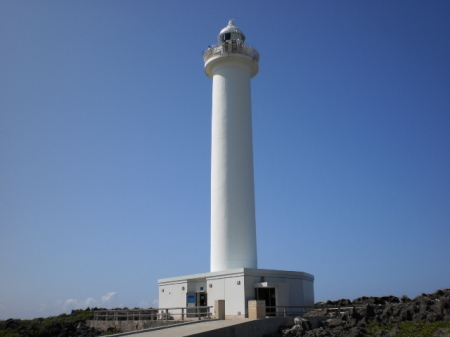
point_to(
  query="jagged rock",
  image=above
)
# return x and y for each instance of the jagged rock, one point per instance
(332, 322)
(306, 324)
(387, 299)
(405, 299)
(441, 333)
(299, 326)
(314, 333)
(384, 310)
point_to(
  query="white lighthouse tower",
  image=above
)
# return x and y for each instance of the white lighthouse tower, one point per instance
(231, 65)
(234, 278)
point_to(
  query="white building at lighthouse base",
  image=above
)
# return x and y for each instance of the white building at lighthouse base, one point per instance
(278, 288)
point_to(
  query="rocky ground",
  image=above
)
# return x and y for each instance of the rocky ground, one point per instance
(425, 315)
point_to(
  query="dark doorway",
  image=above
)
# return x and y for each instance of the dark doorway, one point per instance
(267, 295)
(202, 301)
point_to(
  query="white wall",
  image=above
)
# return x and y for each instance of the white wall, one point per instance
(172, 295)
(308, 293)
(282, 292)
(292, 288)
(234, 296)
(233, 229)
(229, 290)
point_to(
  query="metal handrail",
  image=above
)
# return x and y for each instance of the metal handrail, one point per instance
(330, 309)
(229, 48)
(186, 312)
(152, 314)
(125, 314)
(288, 310)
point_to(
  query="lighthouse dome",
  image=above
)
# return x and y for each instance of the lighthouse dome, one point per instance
(231, 32)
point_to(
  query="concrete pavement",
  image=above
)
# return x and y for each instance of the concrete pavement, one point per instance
(214, 328)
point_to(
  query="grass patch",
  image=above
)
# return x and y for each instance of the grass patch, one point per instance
(409, 329)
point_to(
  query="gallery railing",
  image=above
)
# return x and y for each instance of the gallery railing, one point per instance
(228, 48)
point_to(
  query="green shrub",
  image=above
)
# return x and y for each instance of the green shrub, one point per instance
(62, 325)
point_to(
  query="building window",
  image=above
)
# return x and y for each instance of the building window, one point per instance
(226, 36)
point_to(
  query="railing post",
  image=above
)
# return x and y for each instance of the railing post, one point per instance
(182, 314)
(167, 314)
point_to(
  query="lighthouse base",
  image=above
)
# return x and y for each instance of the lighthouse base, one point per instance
(282, 291)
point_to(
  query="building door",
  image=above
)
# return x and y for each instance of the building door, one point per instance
(191, 302)
(267, 295)
(202, 301)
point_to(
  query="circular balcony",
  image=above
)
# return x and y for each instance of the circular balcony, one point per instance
(230, 47)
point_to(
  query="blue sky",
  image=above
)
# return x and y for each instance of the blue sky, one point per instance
(105, 116)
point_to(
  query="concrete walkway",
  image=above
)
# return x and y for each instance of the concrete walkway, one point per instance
(214, 328)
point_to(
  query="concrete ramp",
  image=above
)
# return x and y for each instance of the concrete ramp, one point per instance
(215, 328)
